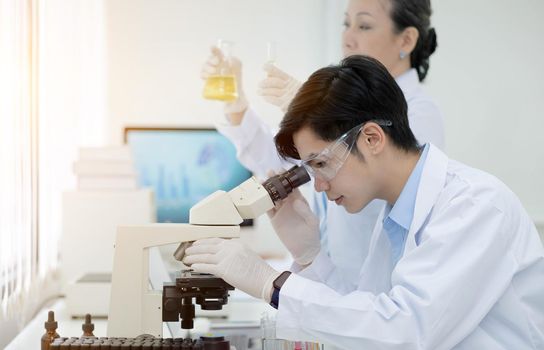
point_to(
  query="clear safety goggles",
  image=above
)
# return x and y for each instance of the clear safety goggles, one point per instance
(326, 164)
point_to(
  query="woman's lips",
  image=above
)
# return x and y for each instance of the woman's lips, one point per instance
(339, 200)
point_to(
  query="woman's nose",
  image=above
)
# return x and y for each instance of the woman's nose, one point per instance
(347, 39)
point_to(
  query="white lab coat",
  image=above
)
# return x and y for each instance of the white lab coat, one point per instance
(471, 276)
(256, 150)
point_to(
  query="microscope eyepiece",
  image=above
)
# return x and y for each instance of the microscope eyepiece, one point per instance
(279, 186)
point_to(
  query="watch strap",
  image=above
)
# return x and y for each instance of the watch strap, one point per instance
(277, 284)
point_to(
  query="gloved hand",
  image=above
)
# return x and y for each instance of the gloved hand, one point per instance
(297, 227)
(232, 261)
(212, 66)
(278, 88)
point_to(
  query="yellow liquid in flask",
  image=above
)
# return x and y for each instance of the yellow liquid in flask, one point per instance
(221, 87)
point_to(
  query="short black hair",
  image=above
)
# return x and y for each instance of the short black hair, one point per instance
(339, 97)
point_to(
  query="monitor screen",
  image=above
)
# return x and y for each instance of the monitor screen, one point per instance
(183, 166)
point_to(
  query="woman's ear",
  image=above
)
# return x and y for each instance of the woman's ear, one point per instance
(408, 37)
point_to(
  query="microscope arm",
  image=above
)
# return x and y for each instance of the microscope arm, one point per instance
(134, 308)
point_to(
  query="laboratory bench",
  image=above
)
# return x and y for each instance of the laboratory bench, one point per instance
(242, 334)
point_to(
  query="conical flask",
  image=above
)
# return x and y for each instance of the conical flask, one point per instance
(222, 86)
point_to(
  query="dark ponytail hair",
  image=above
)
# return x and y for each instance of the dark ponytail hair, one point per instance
(417, 14)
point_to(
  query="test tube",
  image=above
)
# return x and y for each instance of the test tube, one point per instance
(271, 52)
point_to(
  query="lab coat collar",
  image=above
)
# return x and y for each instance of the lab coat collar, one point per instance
(431, 184)
(408, 81)
(402, 212)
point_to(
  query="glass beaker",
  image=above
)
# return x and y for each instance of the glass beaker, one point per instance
(222, 85)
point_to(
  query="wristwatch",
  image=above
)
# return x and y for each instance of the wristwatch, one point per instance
(277, 284)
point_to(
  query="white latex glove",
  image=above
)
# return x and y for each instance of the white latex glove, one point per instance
(212, 67)
(235, 263)
(278, 88)
(297, 227)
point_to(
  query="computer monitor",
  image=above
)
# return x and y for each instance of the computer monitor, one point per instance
(183, 165)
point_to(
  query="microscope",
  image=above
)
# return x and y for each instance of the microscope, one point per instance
(135, 309)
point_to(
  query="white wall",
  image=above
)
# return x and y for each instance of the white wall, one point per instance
(156, 50)
(486, 74)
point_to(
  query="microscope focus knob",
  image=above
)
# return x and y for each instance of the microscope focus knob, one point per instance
(171, 305)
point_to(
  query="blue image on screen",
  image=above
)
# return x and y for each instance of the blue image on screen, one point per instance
(183, 166)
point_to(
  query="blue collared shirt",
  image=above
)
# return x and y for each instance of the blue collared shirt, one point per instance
(398, 218)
